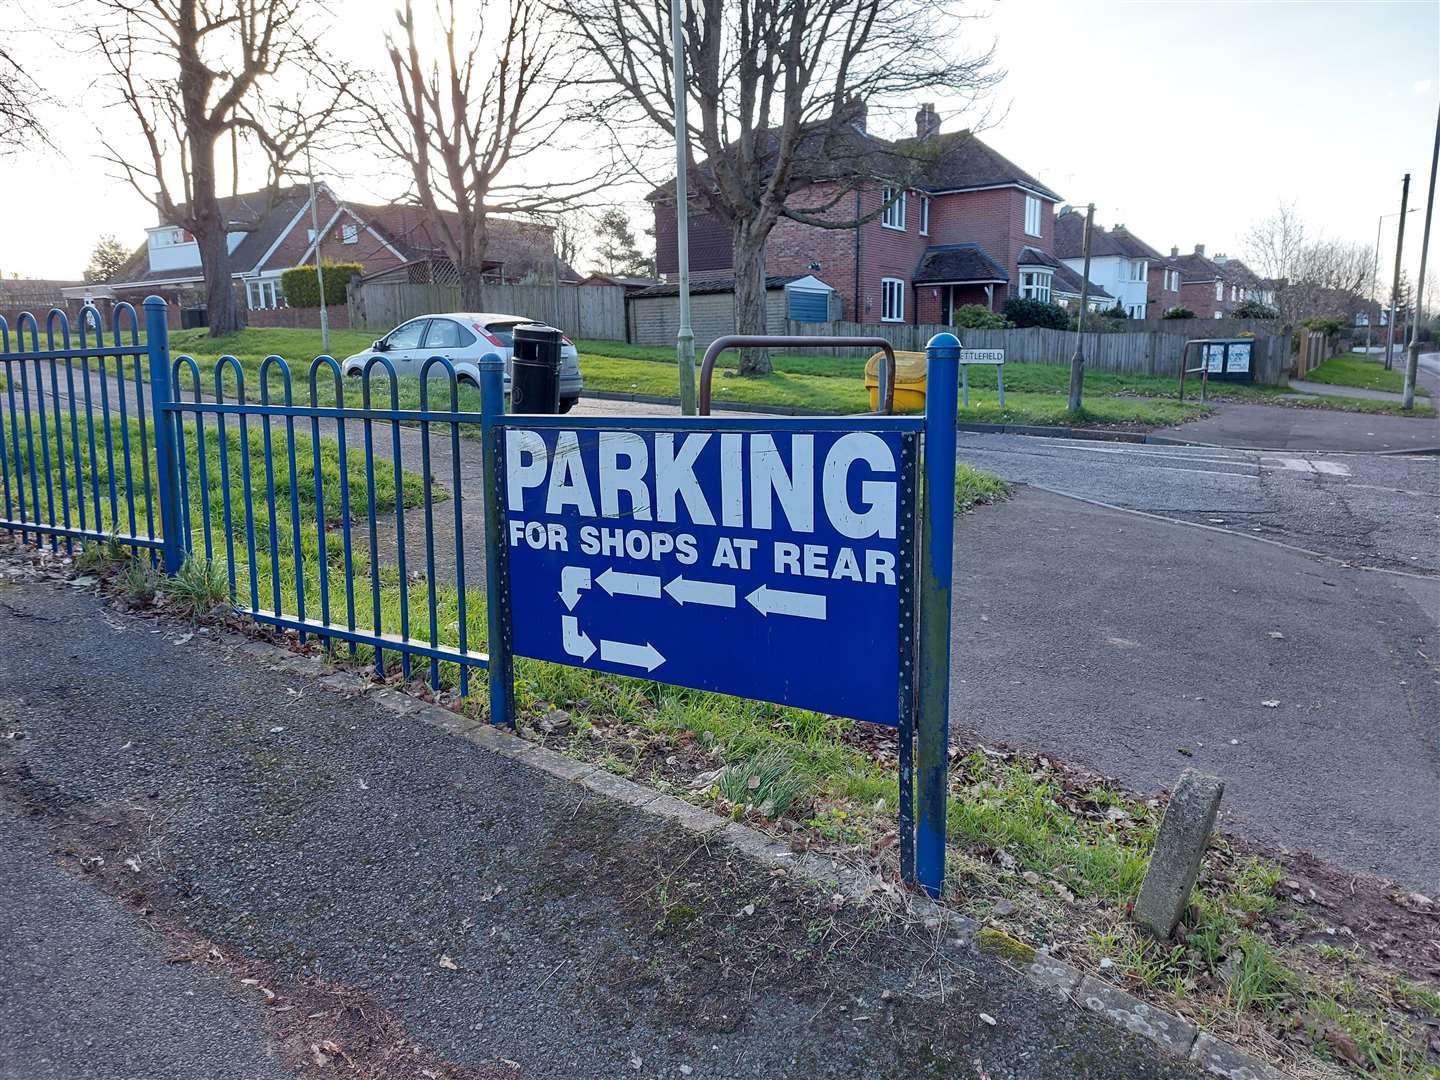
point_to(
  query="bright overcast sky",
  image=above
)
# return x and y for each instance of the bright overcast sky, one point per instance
(1185, 121)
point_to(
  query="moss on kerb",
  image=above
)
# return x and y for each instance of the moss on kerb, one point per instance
(998, 943)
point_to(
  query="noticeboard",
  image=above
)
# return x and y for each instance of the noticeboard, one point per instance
(1230, 361)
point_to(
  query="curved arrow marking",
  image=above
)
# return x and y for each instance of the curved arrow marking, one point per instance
(575, 640)
(781, 602)
(684, 591)
(623, 652)
(572, 580)
(618, 584)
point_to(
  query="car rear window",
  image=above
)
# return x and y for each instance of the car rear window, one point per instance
(504, 332)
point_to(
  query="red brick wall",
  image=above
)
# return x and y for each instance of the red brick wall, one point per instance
(1159, 299)
(1199, 297)
(995, 220)
(793, 246)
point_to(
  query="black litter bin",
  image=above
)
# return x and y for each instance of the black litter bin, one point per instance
(192, 318)
(535, 370)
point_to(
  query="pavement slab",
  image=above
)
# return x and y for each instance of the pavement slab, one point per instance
(494, 921)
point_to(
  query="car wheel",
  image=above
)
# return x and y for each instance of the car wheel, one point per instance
(568, 403)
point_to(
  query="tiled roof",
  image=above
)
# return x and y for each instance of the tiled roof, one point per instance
(1065, 280)
(1070, 240)
(957, 161)
(957, 264)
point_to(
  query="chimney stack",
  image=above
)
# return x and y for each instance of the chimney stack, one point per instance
(927, 121)
(1174, 251)
(1200, 250)
(858, 110)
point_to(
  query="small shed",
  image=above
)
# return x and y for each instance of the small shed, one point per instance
(653, 314)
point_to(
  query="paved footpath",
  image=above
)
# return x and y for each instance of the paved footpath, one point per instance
(215, 868)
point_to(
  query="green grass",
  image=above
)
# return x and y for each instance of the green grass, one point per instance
(975, 487)
(1363, 371)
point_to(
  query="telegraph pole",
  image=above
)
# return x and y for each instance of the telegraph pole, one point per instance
(1395, 285)
(685, 336)
(319, 270)
(1077, 361)
(1412, 360)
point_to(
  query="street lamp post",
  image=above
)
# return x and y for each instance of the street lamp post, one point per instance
(684, 336)
(1412, 359)
(1395, 286)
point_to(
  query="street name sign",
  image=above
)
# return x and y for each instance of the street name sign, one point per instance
(764, 564)
(982, 356)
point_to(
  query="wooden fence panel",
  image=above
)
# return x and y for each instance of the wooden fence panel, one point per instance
(1154, 353)
(589, 311)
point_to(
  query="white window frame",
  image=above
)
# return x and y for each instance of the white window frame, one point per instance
(924, 215)
(1136, 311)
(1032, 216)
(349, 233)
(1219, 290)
(264, 294)
(1035, 285)
(1137, 270)
(892, 299)
(894, 215)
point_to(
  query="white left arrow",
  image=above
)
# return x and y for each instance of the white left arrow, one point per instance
(783, 602)
(685, 590)
(623, 652)
(572, 580)
(620, 584)
(575, 640)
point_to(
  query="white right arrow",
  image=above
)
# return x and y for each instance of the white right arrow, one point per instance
(801, 605)
(623, 652)
(684, 591)
(575, 640)
(619, 584)
(572, 580)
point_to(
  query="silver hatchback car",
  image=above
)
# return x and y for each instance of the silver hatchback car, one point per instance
(463, 338)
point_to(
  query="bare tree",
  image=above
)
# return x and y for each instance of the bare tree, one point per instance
(18, 95)
(196, 75)
(777, 90)
(1314, 275)
(469, 122)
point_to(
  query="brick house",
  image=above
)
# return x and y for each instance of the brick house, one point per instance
(968, 226)
(272, 233)
(1213, 288)
(1119, 261)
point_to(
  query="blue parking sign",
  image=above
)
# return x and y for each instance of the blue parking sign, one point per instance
(766, 564)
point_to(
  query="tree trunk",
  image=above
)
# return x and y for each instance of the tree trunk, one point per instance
(472, 288)
(221, 308)
(750, 295)
(208, 225)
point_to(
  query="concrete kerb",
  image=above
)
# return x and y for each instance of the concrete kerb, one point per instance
(1170, 1032)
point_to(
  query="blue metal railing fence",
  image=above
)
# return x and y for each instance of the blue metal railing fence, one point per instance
(222, 476)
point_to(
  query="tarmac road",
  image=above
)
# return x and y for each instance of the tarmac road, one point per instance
(1373, 510)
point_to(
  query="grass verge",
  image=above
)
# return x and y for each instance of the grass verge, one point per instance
(1359, 370)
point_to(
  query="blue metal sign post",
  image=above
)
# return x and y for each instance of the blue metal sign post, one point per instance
(771, 558)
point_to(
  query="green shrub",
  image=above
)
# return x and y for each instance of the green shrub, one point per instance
(979, 317)
(1024, 312)
(1319, 324)
(302, 290)
(1116, 312)
(1254, 309)
(1179, 313)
